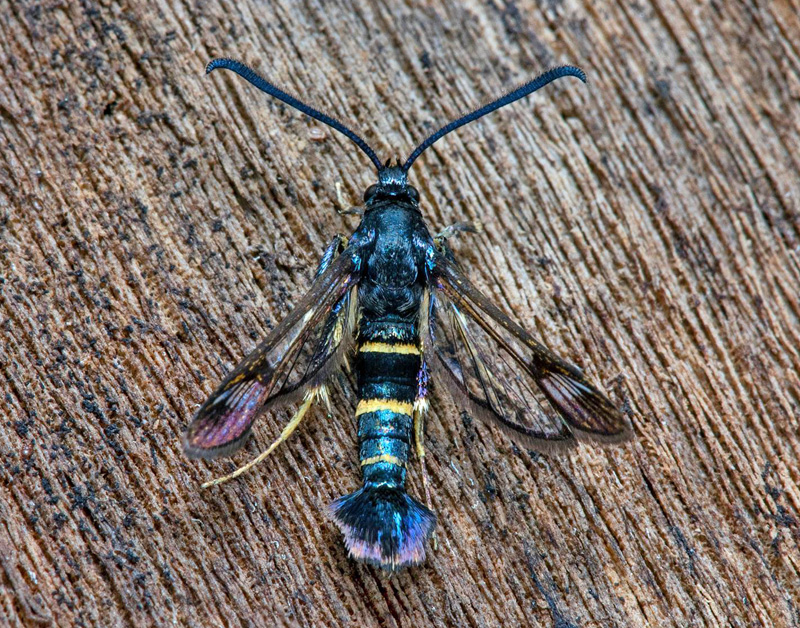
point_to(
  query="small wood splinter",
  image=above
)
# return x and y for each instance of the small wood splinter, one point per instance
(310, 397)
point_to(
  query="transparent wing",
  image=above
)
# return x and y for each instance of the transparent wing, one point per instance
(477, 371)
(508, 378)
(299, 354)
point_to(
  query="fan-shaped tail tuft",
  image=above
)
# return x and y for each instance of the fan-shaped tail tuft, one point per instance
(384, 526)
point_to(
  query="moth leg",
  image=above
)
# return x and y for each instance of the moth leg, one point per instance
(342, 204)
(458, 228)
(420, 407)
(311, 395)
(351, 211)
(419, 429)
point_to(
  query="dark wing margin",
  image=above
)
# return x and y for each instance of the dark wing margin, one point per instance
(297, 355)
(506, 375)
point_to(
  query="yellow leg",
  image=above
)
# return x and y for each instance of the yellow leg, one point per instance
(311, 395)
(420, 406)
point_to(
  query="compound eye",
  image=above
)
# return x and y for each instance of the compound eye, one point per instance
(413, 194)
(370, 192)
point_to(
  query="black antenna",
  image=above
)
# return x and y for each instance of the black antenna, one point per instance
(254, 78)
(522, 91)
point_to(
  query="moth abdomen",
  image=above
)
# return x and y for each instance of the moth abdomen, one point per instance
(381, 523)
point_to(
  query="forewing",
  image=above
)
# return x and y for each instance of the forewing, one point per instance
(298, 354)
(519, 384)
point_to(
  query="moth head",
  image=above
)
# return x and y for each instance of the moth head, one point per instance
(392, 185)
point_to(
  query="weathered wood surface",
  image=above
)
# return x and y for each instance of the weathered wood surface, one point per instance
(156, 222)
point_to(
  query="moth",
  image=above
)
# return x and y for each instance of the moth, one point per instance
(393, 294)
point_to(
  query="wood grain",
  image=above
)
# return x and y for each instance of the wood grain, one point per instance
(154, 223)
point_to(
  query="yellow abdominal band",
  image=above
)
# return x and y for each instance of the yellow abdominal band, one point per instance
(376, 405)
(383, 458)
(385, 347)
